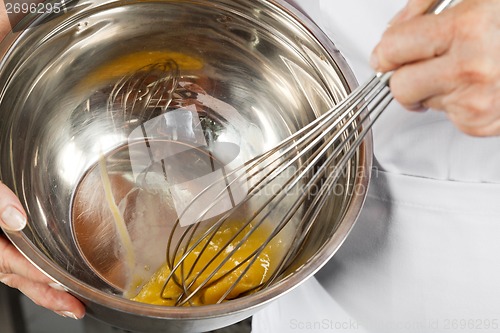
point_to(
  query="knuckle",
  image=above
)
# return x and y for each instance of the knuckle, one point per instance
(40, 296)
(495, 100)
(475, 113)
(399, 91)
(477, 70)
(481, 131)
(387, 49)
(8, 280)
(480, 103)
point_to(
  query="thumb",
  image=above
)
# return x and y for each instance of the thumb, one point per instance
(12, 215)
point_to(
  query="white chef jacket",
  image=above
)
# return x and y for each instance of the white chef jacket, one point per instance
(424, 253)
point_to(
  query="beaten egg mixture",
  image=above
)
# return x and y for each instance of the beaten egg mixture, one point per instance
(258, 273)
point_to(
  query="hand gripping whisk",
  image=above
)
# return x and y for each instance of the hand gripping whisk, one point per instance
(287, 188)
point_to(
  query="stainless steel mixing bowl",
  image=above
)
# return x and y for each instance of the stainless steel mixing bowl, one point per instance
(263, 62)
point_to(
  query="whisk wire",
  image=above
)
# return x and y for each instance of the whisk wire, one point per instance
(292, 145)
(359, 99)
(304, 168)
(365, 123)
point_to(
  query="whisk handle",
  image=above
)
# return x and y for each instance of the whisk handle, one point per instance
(440, 5)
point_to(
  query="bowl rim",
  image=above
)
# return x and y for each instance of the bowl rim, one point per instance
(87, 293)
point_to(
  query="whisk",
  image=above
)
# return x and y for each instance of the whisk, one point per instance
(312, 160)
(322, 149)
(305, 167)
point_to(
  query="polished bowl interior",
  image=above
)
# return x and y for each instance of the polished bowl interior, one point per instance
(266, 68)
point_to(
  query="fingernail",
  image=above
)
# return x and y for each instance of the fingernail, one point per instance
(67, 314)
(374, 60)
(13, 219)
(421, 110)
(417, 107)
(57, 286)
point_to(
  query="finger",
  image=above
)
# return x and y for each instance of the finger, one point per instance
(412, 9)
(17, 272)
(5, 24)
(421, 38)
(411, 84)
(13, 262)
(43, 295)
(12, 216)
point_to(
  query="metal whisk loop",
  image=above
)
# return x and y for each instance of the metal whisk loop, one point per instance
(149, 89)
(322, 150)
(303, 145)
(356, 132)
(313, 131)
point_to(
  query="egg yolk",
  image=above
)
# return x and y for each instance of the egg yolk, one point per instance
(155, 291)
